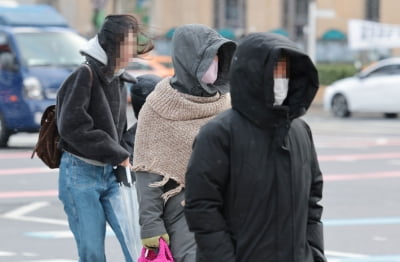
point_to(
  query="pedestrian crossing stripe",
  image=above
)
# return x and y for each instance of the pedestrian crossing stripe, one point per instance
(335, 256)
(51, 260)
(26, 254)
(384, 258)
(11, 254)
(6, 254)
(59, 234)
(366, 221)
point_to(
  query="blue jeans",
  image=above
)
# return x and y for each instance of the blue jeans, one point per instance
(89, 194)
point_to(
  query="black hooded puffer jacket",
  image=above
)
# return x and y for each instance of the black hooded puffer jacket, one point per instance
(253, 182)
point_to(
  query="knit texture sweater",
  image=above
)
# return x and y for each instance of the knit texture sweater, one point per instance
(167, 126)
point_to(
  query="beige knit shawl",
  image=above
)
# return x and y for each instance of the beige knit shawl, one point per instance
(167, 126)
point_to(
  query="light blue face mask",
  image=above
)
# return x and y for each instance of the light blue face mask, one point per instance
(281, 87)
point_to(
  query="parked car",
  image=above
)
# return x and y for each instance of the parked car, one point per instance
(160, 65)
(38, 50)
(166, 61)
(375, 89)
(151, 64)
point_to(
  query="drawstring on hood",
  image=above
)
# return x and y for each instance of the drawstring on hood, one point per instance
(252, 80)
(194, 47)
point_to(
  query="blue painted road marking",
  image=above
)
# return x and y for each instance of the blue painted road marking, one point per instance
(58, 234)
(362, 221)
(385, 258)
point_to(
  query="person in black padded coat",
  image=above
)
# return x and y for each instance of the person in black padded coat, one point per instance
(253, 182)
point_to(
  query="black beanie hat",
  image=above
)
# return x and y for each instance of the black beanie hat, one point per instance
(141, 89)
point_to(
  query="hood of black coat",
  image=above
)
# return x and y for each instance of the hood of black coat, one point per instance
(194, 46)
(252, 79)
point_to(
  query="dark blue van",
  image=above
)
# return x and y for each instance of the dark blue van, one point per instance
(38, 50)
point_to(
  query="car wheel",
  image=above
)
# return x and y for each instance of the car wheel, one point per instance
(4, 133)
(390, 115)
(340, 107)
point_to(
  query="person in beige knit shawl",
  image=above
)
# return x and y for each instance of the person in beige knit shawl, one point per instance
(168, 123)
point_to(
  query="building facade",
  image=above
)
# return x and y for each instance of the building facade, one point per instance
(241, 16)
(287, 17)
(79, 13)
(268, 15)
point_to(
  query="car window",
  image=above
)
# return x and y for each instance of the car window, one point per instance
(7, 61)
(28, 15)
(385, 70)
(3, 39)
(50, 48)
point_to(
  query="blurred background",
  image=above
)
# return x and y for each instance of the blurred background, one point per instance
(321, 27)
(354, 43)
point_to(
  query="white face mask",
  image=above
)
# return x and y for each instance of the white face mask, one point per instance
(281, 87)
(211, 74)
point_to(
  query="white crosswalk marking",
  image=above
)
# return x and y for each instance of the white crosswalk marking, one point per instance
(52, 260)
(21, 212)
(25, 209)
(29, 254)
(25, 254)
(342, 254)
(6, 254)
(61, 234)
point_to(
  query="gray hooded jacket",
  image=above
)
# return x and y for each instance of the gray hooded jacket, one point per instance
(194, 48)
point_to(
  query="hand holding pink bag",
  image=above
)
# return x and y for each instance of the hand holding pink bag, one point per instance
(163, 255)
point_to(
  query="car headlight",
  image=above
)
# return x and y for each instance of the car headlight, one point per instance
(33, 88)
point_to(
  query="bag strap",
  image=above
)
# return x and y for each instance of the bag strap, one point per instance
(91, 73)
(163, 254)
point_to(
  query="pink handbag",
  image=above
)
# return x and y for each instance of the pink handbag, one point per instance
(163, 255)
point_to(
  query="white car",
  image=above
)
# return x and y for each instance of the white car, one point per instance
(375, 89)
